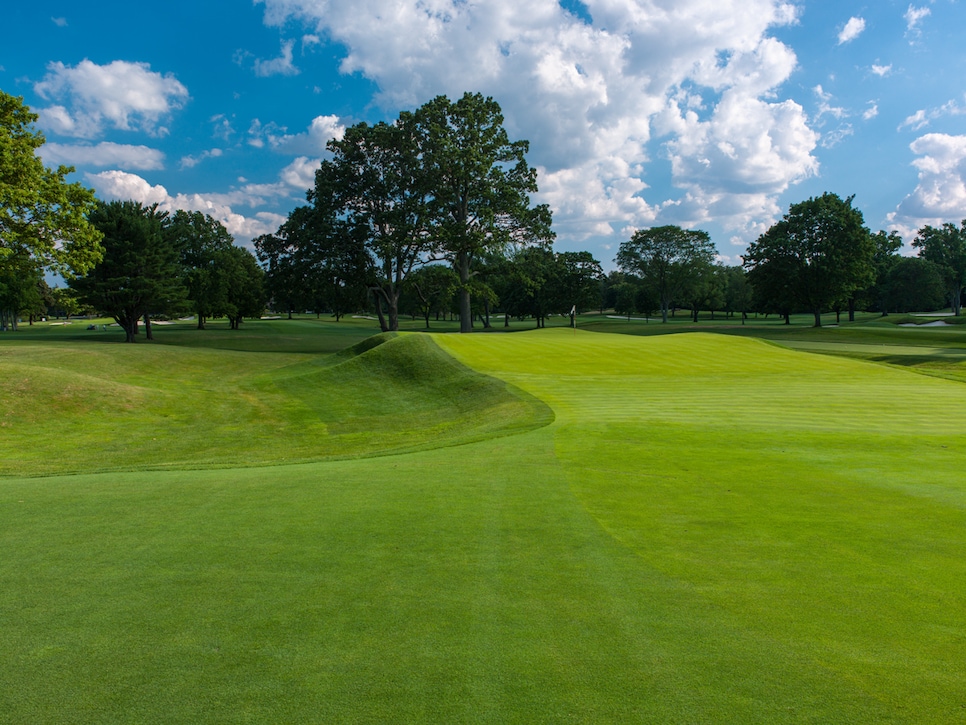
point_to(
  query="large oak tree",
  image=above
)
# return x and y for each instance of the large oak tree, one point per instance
(479, 184)
(818, 254)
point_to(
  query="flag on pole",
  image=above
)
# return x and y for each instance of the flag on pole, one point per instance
(573, 317)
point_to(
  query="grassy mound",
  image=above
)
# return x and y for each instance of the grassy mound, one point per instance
(70, 408)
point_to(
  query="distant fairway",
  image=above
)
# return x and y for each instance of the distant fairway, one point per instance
(685, 528)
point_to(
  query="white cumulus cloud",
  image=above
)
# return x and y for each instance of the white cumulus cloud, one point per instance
(103, 154)
(940, 194)
(592, 96)
(311, 141)
(852, 30)
(881, 70)
(914, 17)
(121, 95)
(189, 162)
(117, 184)
(281, 66)
(300, 174)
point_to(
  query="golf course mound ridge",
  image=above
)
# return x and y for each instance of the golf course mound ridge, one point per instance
(149, 408)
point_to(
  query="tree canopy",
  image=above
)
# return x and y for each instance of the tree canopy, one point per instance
(443, 183)
(139, 273)
(43, 219)
(945, 246)
(479, 186)
(818, 254)
(669, 259)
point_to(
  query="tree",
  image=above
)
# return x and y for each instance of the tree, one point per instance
(884, 258)
(200, 241)
(668, 258)
(914, 284)
(316, 261)
(528, 289)
(625, 295)
(243, 284)
(43, 219)
(479, 186)
(819, 253)
(139, 274)
(946, 247)
(374, 189)
(737, 291)
(20, 291)
(285, 276)
(65, 301)
(576, 281)
(431, 289)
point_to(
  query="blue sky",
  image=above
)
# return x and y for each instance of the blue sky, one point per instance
(712, 114)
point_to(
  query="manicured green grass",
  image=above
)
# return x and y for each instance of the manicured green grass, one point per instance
(711, 529)
(95, 407)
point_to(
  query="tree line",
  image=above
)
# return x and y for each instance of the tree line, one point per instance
(156, 264)
(128, 261)
(431, 215)
(820, 257)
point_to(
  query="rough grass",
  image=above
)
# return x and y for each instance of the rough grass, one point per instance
(711, 529)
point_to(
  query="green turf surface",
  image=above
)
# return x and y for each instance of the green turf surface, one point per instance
(75, 408)
(706, 529)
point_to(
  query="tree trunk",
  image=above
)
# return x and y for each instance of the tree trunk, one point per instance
(377, 295)
(466, 314)
(818, 318)
(148, 332)
(129, 326)
(851, 309)
(201, 321)
(506, 319)
(788, 318)
(393, 317)
(486, 318)
(663, 311)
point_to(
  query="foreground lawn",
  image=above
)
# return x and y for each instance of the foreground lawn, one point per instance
(706, 529)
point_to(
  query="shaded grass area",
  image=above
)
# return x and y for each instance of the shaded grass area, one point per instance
(303, 334)
(71, 408)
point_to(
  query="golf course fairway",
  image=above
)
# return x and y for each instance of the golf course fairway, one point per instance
(687, 528)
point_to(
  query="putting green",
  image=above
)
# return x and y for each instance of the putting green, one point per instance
(710, 529)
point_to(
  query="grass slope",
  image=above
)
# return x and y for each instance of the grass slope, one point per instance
(73, 408)
(711, 530)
